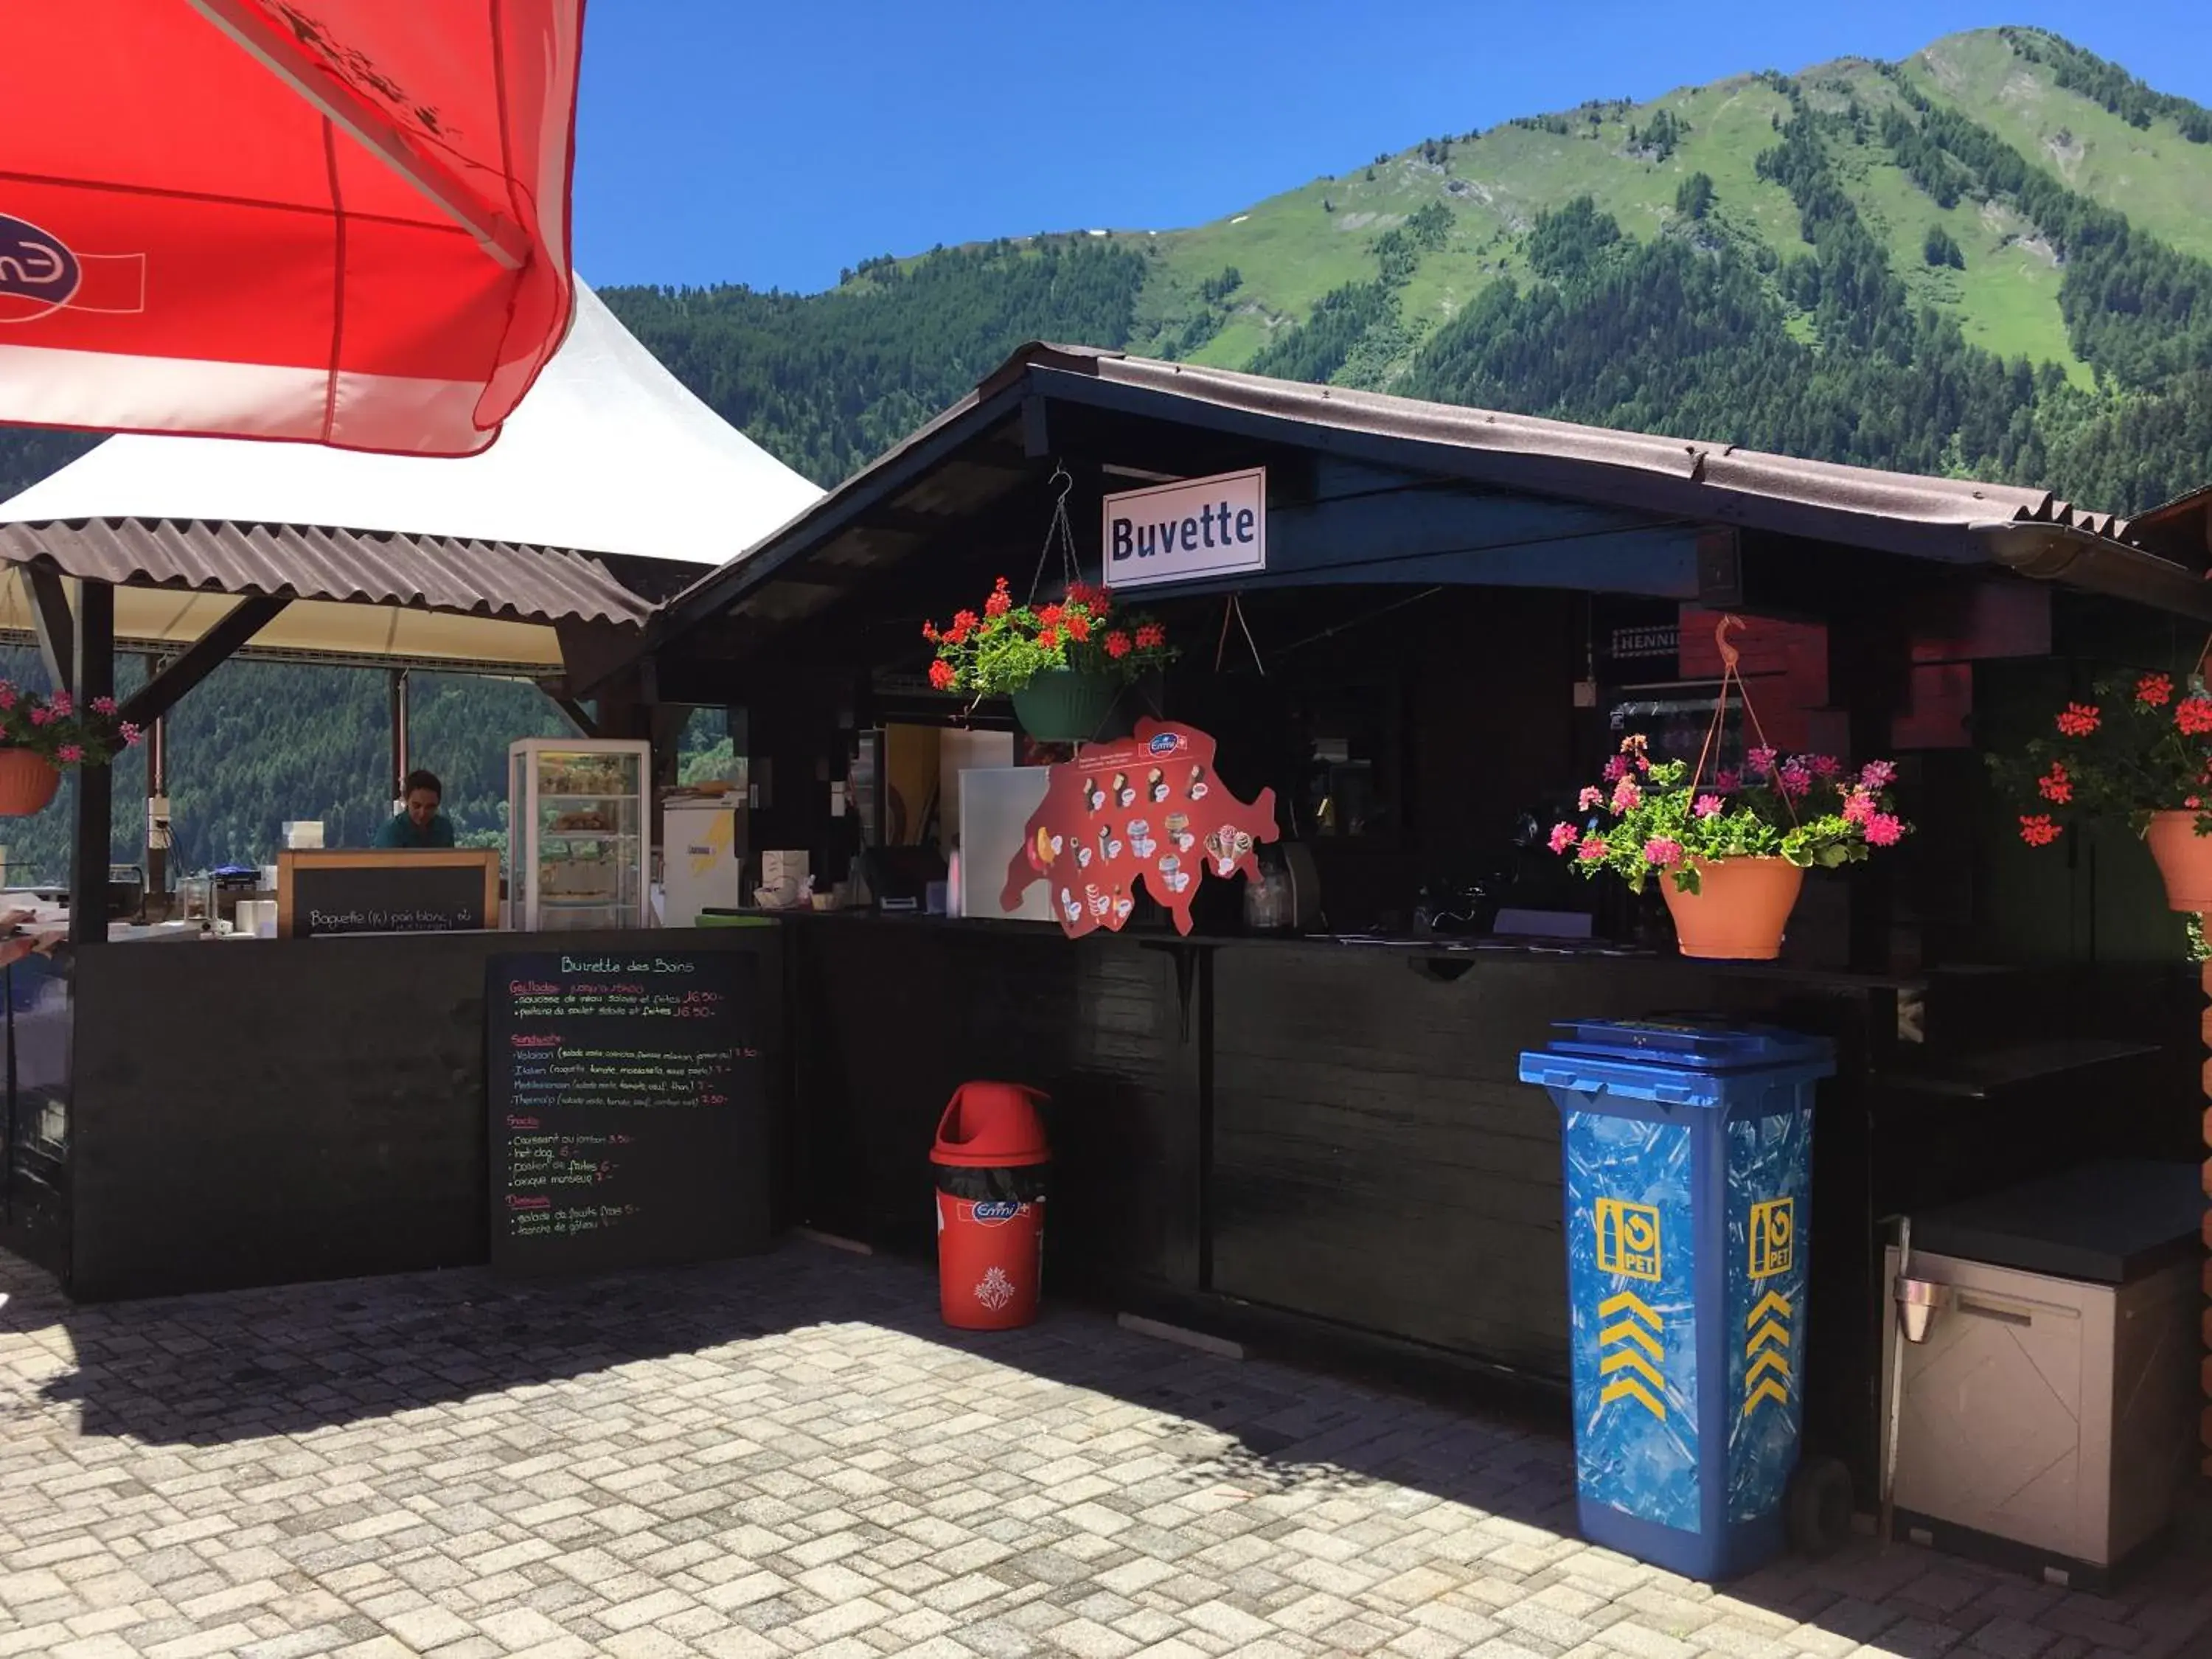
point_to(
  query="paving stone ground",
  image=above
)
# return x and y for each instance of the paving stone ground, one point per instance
(787, 1456)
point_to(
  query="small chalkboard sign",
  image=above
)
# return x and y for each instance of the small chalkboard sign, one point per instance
(435, 891)
(627, 1127)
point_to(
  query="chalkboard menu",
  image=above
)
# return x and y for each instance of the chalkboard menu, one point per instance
(627, 1121)
(441, 890)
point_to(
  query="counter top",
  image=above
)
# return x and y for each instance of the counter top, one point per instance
(1445, 950)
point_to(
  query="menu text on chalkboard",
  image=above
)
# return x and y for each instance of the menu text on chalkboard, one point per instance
(442, 890)
(627, 1124)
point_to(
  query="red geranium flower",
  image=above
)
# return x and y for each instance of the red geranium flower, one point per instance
(1000, 601)
(2055, 785)
(1151, 637)
(2079, 720)
(966, 620)
(929, 632)
(2194, 715)
(941, 675)
(1077, 626)
(1048, 637)
(1048, 615)
(2155, 689)
(2040, 830)
(1117, 645)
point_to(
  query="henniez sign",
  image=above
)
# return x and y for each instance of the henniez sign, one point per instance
(1180, 533)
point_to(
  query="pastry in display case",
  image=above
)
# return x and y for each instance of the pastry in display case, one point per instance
(579, 834)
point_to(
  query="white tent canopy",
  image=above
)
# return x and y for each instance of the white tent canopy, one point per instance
(609, 454)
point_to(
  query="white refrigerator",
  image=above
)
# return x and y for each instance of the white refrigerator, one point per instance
(702, 866)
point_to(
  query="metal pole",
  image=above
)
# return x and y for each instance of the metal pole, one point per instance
(399, 766)
(157, 789)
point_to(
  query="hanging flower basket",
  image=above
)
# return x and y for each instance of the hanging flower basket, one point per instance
(2183, 859)
(1740, 910)
(27, 783)
(2142, 753)
(40, 735)
(1730, 847)
(1067, 705)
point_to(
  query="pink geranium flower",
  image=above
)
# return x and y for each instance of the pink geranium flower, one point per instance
(1591, 850)
(1878, 774)
(1760, 760)
(132, 734)
(103, 705)
(1858, 807)
(1708, 806)
(42, 717)
(1627, 796)
(1884, 830)
(1661, 852)
(61, 703)
(1616, 768)
(69, 753)
(1592, 798)
(1564, 836)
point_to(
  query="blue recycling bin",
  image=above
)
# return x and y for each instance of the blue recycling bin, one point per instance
(1688, 1151)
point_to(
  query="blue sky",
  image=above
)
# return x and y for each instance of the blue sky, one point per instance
(743, 141)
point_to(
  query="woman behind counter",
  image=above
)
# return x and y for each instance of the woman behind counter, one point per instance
(421, 824)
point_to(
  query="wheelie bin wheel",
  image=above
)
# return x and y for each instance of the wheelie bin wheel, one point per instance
(1818, 1506)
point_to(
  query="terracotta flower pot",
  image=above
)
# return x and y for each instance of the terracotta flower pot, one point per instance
(1739, 913)
(27, 783)
(2185, 859)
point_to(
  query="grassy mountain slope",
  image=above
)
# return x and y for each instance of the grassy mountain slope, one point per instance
(1994, 258)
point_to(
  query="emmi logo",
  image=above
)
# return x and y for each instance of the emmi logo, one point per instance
(1773, 1237)
(1627, 1238)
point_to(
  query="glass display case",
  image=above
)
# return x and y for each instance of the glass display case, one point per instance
(578, 834)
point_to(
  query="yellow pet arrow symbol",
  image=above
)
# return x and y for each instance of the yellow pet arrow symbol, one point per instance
(1627, 1331)
(1627, 1387)
(1767, 1390)
(1774, 1303)
(1768, 1335)
(1770, 1363)
(1629, 1360)
(1636, 1326)
(1629, 1301)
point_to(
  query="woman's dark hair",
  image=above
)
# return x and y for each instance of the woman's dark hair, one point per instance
(424, 781)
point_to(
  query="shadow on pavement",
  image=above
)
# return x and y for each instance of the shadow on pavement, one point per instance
(206, 1370)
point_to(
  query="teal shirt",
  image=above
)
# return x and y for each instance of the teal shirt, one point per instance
(402, 834)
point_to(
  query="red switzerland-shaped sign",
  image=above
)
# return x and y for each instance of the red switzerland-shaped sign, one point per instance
(1148, 808)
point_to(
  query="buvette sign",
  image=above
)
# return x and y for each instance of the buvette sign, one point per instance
(1185, 532)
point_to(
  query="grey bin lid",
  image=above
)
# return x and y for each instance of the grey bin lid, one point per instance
(2105, 1224)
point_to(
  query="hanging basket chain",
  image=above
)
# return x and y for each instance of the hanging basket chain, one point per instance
(1731, 676)
(1057, 533)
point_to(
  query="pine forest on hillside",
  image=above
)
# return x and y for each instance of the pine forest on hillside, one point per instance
(1993, 259)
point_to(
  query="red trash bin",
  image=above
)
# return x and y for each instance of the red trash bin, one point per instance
(991, 1158)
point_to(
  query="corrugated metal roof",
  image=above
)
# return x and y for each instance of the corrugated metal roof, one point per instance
(1717, 482)
(1822, 485)
(497, 580)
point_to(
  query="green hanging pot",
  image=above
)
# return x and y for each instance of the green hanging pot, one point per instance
(1065, 705)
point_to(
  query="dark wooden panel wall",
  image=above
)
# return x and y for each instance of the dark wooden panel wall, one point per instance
(264, 1113)
(1378, 1162)
(894, 1016)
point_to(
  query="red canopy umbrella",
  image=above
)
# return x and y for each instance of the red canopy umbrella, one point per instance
(344, 221)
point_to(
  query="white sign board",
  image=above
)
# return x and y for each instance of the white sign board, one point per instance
(1181, 532)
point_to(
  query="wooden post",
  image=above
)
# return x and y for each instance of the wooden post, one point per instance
(91, 853)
